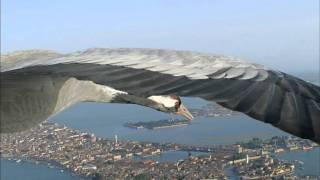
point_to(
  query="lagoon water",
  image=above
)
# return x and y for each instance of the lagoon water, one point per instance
(311, 160)
(11, 170)
(106, 120)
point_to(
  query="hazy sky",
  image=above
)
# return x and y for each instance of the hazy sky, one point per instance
(283, 34)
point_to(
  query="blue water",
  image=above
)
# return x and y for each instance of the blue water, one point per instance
(311, 160)
(10, 170)
(106, 120)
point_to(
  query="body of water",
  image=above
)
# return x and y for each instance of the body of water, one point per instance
(106, 120)
(11, 170)
(311, 160)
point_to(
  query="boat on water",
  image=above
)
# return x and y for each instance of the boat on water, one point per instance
(301, 162)
(307, 148)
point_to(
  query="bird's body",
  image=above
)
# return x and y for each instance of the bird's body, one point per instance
(284, 101)
(28, 100)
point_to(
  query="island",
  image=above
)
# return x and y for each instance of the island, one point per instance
(164, 123)
(209, 110)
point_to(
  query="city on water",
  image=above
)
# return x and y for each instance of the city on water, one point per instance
(160, 90)
(94, 140)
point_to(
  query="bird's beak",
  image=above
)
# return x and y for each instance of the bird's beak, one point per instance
(183, 111)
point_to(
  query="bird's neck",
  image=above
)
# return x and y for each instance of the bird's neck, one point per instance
(74, 91)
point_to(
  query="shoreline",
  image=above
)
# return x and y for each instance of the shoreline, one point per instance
(155, 127)
(169, 126)
(49, 163)
(58, 166)
(95, 157)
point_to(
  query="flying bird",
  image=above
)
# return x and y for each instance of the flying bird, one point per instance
(37, 84)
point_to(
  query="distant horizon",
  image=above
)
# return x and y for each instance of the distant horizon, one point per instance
(283, 35)
(294, 72)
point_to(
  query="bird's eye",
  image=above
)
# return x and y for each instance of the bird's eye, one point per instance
(177, 105)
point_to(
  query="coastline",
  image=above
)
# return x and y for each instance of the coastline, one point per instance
(169, 126)
(58, 166)
(49, 163)
(157, 124)
(97, 156)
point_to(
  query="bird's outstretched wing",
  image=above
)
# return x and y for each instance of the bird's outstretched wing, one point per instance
(282, 100)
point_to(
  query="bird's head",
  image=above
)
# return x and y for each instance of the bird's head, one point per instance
(172, 104)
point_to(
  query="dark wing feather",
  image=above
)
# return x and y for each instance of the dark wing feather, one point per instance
(284, 101)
